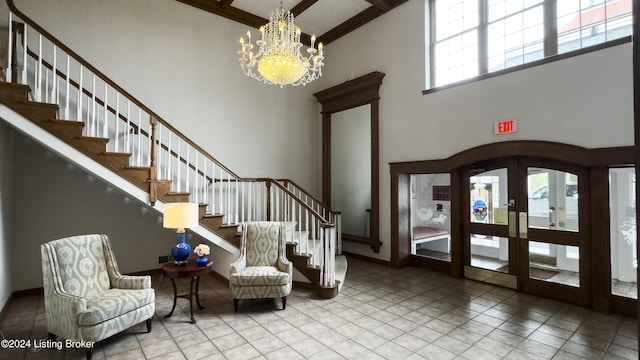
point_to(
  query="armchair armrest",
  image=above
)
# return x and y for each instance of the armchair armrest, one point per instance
(61, 300)
(285, 265)
(238, 266)
(131, 282)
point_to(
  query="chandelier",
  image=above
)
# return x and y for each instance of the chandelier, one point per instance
(278, 59)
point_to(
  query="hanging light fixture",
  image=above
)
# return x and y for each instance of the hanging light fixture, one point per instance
(278, 59)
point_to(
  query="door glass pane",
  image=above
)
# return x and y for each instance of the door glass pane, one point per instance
(489, 197)
(553, 199)
(622, 207)
(431, 215)
(554, 263)
(490, 252)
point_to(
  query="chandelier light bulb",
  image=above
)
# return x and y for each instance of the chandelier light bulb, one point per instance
(277, 59)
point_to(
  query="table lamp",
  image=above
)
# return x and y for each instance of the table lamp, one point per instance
(180, 216)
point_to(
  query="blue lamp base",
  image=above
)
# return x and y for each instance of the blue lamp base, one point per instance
(181, 250)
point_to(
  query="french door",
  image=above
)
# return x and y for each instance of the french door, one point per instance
(525, 227)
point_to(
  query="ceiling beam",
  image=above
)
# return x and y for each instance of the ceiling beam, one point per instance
(225, 3)
(380, 4)
(302, 6)
(356, 21)
(351, 24)
(229, 12)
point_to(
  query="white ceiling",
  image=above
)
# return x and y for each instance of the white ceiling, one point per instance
(319, 18)
(327, 19)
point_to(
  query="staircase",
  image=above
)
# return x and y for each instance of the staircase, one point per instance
(57, 90)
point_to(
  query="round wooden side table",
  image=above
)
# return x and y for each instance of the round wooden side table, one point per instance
(191, 270)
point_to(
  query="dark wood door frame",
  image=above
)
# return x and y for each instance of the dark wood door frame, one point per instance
(597, 162)
(351, 94)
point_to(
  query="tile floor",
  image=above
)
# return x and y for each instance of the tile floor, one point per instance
(381, 313)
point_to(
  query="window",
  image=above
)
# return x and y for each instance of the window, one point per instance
(473, 37)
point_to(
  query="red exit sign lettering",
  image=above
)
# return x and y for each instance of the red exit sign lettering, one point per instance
(505, 127)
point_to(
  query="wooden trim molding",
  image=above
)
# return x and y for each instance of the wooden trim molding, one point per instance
(521, 148)
(360, 91)
(592, 162)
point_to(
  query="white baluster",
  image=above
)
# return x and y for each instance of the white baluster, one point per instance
(66, 107)
(205, 193)
(46, 85)
(159, 156)
(117, 119)
(213, 188)
(168, 176)
(105, 129)
(220, 188)
(94, 121)
(237, 206)
(186, 187)
(127, 144)
(229, 196)
(38, 70)
(243, 200)
(24, 56)
(250, 203)
(54, 77)
(139, 157)
(196, 191)
(79, 107)
(10, 50)
(178, 162)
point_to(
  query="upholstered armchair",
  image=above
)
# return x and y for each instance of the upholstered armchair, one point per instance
(262, 271)
(86, 297)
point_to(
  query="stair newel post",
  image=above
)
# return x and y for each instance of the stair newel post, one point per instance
(268, 199)
(153, 172)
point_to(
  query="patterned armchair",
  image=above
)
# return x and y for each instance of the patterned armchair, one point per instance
(86, 297)
(262, 271)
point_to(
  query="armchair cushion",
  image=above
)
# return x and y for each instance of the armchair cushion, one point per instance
(113, 303)
(260, 275)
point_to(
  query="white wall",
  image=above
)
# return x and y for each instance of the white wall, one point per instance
(182, 62)
(584, 100)
(6, 168)
(53, 198)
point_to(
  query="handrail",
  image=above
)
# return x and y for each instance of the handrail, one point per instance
(288, 192)
(289, 181)
(162, 149)
(111, 83)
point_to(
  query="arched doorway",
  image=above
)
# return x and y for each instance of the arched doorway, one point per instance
(529, 215)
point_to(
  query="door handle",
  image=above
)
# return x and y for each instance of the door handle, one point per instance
(552, 224)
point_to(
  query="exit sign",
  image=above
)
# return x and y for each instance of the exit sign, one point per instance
(505, 127)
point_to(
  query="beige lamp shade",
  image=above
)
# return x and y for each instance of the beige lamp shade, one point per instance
(180, 215)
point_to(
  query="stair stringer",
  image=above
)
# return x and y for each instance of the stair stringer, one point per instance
(74, 155)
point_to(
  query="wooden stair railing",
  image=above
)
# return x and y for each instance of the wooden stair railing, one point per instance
(333, 217)
(111, 126)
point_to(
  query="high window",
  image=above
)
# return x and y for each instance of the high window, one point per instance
(473, 37)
